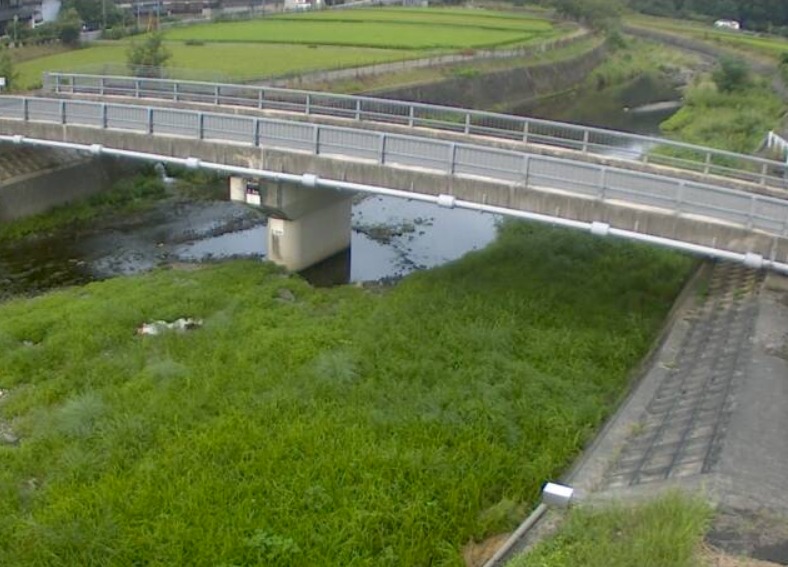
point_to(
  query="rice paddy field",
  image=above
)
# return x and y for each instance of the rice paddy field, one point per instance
(386, 28)
(298, 43)
(302, 426)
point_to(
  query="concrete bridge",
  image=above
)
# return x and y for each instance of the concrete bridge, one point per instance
(319, 149)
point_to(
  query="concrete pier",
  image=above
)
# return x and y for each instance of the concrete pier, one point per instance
(305, 225)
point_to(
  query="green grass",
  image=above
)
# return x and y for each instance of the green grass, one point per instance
(237, 51)
(666, 532)
(390, 29)
(770, 46)
(423, 75)
(735, 121)
(228, 61)
(636, 58)
(345, 427)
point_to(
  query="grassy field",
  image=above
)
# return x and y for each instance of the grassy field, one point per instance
(230, 61)
(770, 46)
(666, 532)
(305, 426)
(237, 51)
(391, 29)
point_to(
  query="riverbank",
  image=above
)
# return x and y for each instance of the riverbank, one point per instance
(442, 427)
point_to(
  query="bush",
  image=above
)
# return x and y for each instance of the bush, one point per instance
(731, 75)
(69, 26)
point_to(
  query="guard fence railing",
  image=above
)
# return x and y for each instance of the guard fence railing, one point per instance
(700, 160)
(522, 171)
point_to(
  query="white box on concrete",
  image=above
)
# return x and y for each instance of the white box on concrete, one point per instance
(557, 495)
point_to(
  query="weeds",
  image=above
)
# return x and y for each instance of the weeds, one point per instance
(340, 427)
(662, 533)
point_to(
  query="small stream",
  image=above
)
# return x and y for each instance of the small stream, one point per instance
(391, 237)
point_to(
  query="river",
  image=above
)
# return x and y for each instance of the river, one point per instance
(390, 238)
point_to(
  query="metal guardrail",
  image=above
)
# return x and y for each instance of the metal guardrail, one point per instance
(776, 143)
(688, 157)
(588, 180)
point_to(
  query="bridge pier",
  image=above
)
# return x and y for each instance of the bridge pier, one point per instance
(305, 226)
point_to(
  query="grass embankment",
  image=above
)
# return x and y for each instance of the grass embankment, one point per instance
(763, 45)
(302, 426)
(425, 75)
(666, 532)
(736, 121)
(635, 58)
(302, 43)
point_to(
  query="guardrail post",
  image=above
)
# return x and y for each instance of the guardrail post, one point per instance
(764, 171)
(411, 115)
(101, 86)
(358, 109)
(175, 92)
(57, 82)
(260, 97)
(452, 158)
(585, 141)
(150, 120)
(602, 183)
(308, 104)
(256, 134)
(751, 213)
(136, 88)
(680, 196)
(382, 149)
(467, 122)
(103, 116)
(201, 126)
(62, 111)
(25, 109)
(525, 131)
(707, 164)
(316, 140)
(526, 171)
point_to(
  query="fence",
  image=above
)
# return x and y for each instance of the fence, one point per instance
(705, 161)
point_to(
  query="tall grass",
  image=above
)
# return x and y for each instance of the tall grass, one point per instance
(736, 121)
(666, 532)
(339, 427)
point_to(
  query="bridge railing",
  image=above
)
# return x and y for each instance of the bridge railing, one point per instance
(702, 160)
(520, 170)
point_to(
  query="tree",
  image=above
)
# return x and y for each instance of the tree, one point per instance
(147, 59)
(732, 74)
(7, 69)
(69, 25)
(96, 14)
(598, 14)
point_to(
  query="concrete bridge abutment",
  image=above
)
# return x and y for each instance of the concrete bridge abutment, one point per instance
(306, 225)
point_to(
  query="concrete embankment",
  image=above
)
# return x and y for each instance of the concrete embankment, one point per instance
(34, 180)
(486, 90)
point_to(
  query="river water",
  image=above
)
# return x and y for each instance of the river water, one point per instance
(391, 237)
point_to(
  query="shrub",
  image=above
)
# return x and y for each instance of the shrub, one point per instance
(732, 74)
